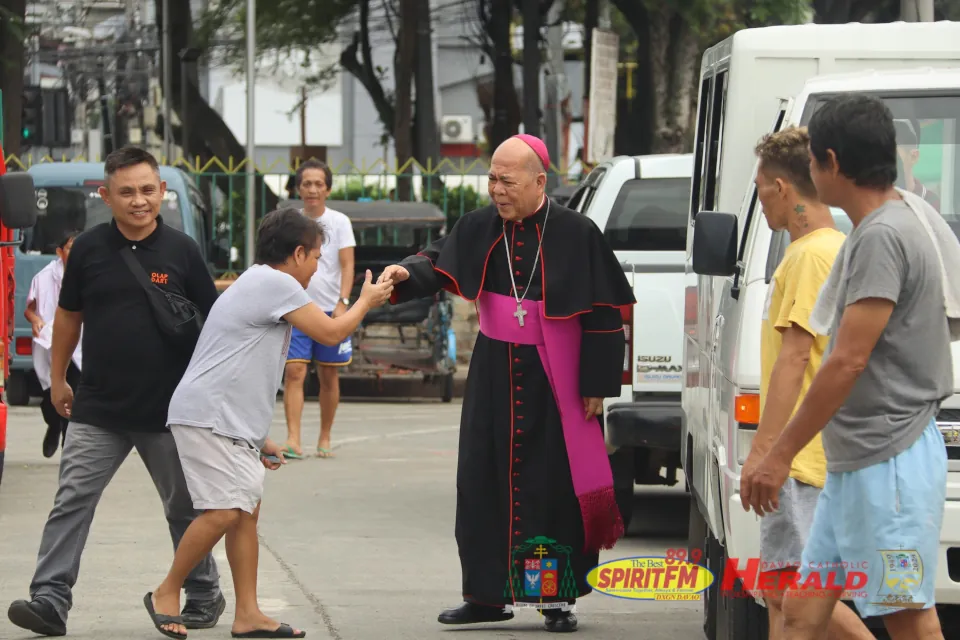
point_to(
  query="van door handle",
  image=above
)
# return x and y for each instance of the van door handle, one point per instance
(717, 330)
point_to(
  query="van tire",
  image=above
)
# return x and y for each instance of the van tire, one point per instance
(622, 470)
(18, 390)
(624, 497)
(739, 615)
(698, 552)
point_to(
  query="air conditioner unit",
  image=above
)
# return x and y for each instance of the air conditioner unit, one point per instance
(456, 129)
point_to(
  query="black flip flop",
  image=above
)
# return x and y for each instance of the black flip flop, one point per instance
(283, 631)
(160, 619)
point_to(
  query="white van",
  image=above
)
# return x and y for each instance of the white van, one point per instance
(640, 203)
(777, 67)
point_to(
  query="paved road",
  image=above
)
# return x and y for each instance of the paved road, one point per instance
(359, 547)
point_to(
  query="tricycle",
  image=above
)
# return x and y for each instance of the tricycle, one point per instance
(414, 338)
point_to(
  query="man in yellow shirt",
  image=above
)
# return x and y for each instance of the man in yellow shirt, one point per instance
(791, 353)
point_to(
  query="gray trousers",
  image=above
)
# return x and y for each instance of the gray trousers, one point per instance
(90, 458)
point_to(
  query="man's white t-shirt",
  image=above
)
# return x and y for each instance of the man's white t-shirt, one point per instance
(324, 288)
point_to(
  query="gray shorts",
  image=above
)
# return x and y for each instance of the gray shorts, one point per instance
(784, 533)
(221, 473)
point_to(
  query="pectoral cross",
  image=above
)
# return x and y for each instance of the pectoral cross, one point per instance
(519, 313)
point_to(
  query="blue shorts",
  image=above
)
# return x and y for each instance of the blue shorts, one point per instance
(303, 348)
(881, 525)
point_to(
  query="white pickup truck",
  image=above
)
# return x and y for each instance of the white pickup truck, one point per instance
(640, 203)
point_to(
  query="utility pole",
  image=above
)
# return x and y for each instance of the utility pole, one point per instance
(556, 91)
(167, 80)
(531, 67)
(303, 123)
(251, 129)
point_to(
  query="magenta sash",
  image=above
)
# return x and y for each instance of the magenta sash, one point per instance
(558, 343)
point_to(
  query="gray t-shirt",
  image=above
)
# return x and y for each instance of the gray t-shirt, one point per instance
(231, 383)
(910, 371)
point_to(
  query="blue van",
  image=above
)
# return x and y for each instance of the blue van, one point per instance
(67, 198)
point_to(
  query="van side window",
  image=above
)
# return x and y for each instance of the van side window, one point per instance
(696, 193)
(711, 184)
(650, 215)
(708, 145)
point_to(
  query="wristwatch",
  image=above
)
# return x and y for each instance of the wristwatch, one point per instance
(345, 301)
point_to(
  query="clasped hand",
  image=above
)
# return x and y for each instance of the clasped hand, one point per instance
(375, 294)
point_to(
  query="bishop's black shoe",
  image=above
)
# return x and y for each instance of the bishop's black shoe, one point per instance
(560, 621)
(470, 613)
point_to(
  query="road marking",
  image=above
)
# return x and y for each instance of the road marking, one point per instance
(399, 434)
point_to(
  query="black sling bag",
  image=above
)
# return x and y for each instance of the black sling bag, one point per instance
(178, 318)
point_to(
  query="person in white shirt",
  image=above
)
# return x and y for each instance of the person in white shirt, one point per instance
(221, 411)
(330, 289)
(41, 309)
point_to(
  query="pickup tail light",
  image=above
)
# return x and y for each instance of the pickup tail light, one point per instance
(24, 346)
(627, 314)
(747, 416)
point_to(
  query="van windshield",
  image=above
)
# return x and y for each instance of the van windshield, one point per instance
(65, 208)
(928, 140)
(650, 215)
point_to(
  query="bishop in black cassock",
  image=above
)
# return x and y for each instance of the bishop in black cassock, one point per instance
(529, 520)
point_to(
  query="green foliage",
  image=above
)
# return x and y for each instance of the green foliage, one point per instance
(282, 26)
(355, 189)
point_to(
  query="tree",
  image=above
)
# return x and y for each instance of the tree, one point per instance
(843, 11)
(305, 26)
(670, 40)
(12, 35)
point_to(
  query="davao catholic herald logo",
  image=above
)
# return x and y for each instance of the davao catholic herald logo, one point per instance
(652, 578)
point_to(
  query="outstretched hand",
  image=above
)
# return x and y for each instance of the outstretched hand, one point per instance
(376, 294)
(395, 273)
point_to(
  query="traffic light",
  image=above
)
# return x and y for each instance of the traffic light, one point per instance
(45, 117)
(31, 118)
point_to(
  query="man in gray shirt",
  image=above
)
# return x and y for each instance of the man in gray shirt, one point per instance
(221, 411)
(887, 369)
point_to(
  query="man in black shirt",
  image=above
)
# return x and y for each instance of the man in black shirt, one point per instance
(130, 371)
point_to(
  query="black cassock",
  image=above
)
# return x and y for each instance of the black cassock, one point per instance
(518, 523)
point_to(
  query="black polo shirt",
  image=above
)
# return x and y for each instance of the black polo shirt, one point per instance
(129, 369)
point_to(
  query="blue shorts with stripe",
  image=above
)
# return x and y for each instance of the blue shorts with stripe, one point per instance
(303, 348)
(882, 523)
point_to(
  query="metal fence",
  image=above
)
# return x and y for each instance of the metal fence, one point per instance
(454, 186)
